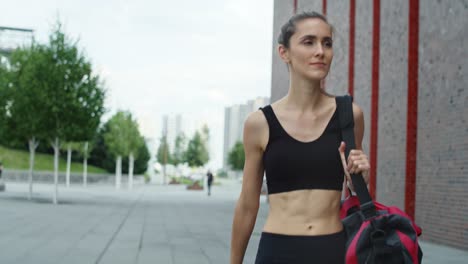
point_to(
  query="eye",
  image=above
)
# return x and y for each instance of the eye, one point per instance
(328, 44)
(308, 42)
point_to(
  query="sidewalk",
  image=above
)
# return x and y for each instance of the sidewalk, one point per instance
(434, 253)
(150, 224)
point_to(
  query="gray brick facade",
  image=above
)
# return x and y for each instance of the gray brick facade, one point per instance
(442, 178)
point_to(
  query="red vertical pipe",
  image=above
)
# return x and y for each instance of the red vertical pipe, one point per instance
(412, 114)
(352, 30)
(375, 98)
(295, 6)
(324, 7)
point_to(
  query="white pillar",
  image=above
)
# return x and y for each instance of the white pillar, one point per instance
(118, 172)
(68, 165)
(56, 161)
(85, 165)
(130, 171)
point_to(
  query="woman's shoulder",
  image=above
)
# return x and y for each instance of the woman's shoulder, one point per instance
(357, 112)
(256, 120)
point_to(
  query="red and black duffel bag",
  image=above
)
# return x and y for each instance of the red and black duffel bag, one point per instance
(375, 233)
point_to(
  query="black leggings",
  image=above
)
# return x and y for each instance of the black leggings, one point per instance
(287, 249)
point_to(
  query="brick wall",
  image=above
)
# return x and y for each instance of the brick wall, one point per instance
(363, 65)
(392, 102)
(338, 16)
(280, 75)
(442, 174)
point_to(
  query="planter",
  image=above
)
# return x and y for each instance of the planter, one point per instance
(174, 181)
(195, 186)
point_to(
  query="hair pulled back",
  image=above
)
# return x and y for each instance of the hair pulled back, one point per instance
(288, 29)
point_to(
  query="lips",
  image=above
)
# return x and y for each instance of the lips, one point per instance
(317, 63)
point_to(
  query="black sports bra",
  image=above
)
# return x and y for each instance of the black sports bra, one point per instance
(294, 165)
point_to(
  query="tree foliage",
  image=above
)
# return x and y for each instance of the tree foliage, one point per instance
(164, 155)
(116, 136)
(236, 156)
(123, 136)
(75, 100)
(178, 155)
(197, 150)
(52, 92)
(4, 97)
(120, 136)
(100, 155)
(27, 94)
(141, 163)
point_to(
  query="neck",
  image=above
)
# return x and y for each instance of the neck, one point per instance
(305, 95)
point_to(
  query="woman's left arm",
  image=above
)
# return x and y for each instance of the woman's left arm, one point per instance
(357, 160)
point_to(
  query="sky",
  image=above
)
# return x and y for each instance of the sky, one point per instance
(157, 57)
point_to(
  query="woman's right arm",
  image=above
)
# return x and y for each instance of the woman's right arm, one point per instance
(247, 206)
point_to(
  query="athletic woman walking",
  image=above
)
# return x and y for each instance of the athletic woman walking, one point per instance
(296, 141)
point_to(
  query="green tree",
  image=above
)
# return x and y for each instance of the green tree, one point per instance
(135, 142)
(123, 139)
(178, 156)
(100, 155)
(236, 157)
(75, 96)
(54, 96)
(197, 152)
(141, 163)
(4, 97)
(27, 96)
(163, 155)
(205, 133)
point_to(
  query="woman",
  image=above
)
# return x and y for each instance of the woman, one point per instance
(297, 142)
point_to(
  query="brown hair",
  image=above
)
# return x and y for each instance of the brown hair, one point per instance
(288, 29)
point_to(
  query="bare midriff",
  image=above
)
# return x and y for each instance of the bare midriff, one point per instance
(304, 212)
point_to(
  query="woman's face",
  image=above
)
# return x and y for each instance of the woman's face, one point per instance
(310, 51)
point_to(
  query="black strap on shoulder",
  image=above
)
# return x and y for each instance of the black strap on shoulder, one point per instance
(267, 111)
(273, 123)
(345, 113)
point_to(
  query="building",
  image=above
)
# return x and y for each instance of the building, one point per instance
(12, 38)
(234, 117)
(405, 64)
(172, 127)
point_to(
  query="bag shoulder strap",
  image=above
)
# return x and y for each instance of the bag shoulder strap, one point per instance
(345, 113)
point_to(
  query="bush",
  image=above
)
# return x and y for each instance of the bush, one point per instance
(174, 181)
(222, 174)
(147, 178)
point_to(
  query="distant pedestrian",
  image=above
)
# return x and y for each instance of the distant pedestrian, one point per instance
(210, 181)
(2, 183)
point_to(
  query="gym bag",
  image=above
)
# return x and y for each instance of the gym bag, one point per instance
(375, 233)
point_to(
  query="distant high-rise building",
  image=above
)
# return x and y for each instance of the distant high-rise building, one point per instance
(172, 127)
(234, 118)
(12, 38)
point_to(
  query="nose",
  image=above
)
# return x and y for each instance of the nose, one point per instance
(319, 50)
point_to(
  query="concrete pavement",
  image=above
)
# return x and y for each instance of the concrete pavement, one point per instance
(150, 224)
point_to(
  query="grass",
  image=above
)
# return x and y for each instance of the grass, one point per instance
(19, 160)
